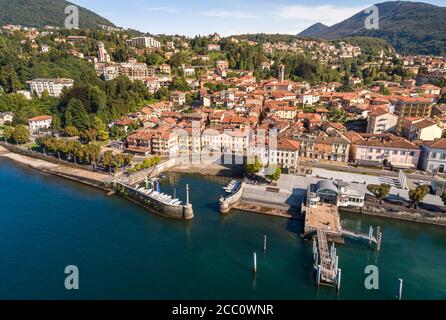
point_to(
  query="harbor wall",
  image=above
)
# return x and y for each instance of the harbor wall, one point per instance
(399, 213)
(184, 212)
(226, 204)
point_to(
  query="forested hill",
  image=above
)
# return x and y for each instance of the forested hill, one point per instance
(411, 27)
(38, 13)
(317, 28)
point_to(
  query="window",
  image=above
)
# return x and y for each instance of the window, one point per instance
(433, 155)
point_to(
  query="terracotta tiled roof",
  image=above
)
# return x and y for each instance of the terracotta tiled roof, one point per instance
(438, 144)
(40, 118)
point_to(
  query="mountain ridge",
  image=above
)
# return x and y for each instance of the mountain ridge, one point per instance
(411, 27)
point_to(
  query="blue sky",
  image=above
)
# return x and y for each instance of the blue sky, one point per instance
(192, 17)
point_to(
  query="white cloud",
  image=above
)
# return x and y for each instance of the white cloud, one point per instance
(327, 14)
(158, 9)
(227, 14)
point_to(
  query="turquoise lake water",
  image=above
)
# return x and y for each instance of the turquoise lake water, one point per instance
(124, 252)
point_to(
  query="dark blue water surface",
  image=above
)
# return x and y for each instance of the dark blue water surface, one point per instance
(123, 251)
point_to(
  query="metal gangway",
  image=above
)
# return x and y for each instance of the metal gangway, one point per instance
(375, 239)
(326, 261)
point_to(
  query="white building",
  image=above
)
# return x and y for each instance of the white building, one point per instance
(6, 117)
(44, 48)
(433, 156)
(341, 194)
(146, 42)
(285, 154)
(40, 123)
(52, 86)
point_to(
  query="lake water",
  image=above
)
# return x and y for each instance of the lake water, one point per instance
(122, 251)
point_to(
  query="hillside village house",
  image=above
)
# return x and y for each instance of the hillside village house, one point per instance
(383, 149)
(213, 47)
(178, 98)
(52, 86)
(40, 123)
(6, 117)
(433, 157)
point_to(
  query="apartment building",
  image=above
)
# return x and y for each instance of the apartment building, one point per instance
(145, 42)
(411, 107)
(380, 121)
(135, 70)
(103, 55)
(327, 147)
(285, 153)
(383, 149)
(52, 86)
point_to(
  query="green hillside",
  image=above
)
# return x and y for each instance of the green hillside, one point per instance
(411, 27)
(38, 13)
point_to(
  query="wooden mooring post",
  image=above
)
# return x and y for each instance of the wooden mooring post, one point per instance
(400, 289)
(255, 262)
(378, 238)
(264, 243)
(338, 280)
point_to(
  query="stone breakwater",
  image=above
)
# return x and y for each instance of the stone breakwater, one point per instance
(226, 204)
(162, 208)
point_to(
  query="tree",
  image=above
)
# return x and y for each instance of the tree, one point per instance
(88, 135)
(162, 94)
(7, 133)
(253, 167)
(107, 159)
(76, 115)
(275, 175)
(337, 115)
(180, 84)
(443, 198)
(20, 134)
(379, 191)
(384, 90)
(71, 131)
(417, 195)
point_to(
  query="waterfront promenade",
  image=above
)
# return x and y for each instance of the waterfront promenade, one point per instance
(96, 179)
